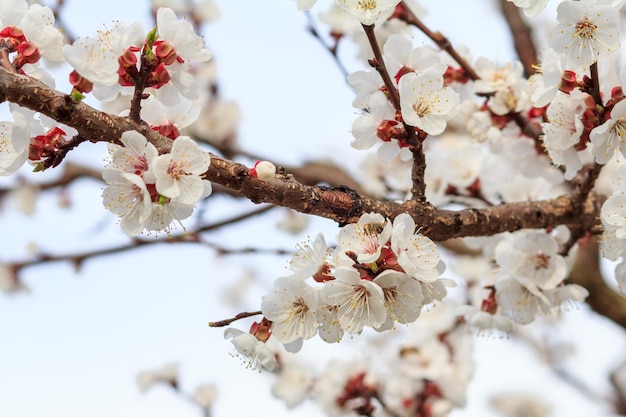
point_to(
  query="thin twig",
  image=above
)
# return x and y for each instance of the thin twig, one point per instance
(331, 49)
(418, 189)
(595, 92)
(409, 17)
(379, 65)
(226, 322)
(192, 236)
(522, 37)
(60, 23)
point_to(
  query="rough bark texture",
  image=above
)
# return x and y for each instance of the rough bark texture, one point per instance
(579, 209)
(341, 203)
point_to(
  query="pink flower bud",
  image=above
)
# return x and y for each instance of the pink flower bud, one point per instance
(263, 170)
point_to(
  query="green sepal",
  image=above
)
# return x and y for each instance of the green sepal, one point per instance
(77, 96)
(151, 37)
(40, 167)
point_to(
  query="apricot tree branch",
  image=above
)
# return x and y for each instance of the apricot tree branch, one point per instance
(405, 13)
(602, 299)
(522, 37)
(340, 204)
(190, 236)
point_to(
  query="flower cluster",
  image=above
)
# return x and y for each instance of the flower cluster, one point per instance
(426, 104)
(381, 272)
(251, 347)
(149, 191)
(29, 32)
(425, 375)
(122, 57)
(28, 138)
(531, 275)
(529, 280)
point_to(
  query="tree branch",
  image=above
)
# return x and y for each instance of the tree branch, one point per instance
(442, 42)
(340, 204)
(522, 37)
(602, 298)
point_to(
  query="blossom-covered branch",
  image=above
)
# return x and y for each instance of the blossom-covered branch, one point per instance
(339, 204)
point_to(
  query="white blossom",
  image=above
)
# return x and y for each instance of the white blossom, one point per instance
(205, 395)
(545, 82)
(330, 330)
(417, 254)
(532, 258)
(522, 303)
(14, 143)
(425, 103)
(610, 136)
(37, 24)
(564, 128)
(294, 382)
(178, 172)
(136, 156)
(364, 84)
(368, 11)
(587, 29)
(531, 7)
(365, 238)
(181, 36)
(484, 323)
(613, 213)
(217, 123)
(365, 128)
(163, 214)
(494, 77)
(400, 57)
(360, 302)
(291, 308)
(180, 115)
(127, 196)
(96, 59)
(38, 28)
(403, 297)
(310, 258)
(253, 352)
(167, 374)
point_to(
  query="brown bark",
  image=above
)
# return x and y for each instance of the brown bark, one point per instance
(579, 209)
(341, 204)
(522, 37)
(602, 298)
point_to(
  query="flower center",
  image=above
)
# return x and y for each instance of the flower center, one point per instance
(176, 170)
(361, 295)
(422, 108)
(366, 4)
(619, 128)
(541, 261)
(585, 29)
(299, 307)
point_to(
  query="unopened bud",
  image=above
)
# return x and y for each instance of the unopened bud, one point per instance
(263, 170)
(568, 81)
